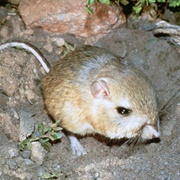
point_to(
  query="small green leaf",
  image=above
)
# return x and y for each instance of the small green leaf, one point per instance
(41, 127)
(46, 129)
(137, 9)
(105, 2)
(153, 13)
(26, 144)
(57, 128)
(163, 1)
(21, 146)
(55, 136)
(88, 10)
(29, 145)
(117, 2)
(139, 3)
(90, 2)
(174, 3)
(34, 139)
(108, 2)
(47, 146)
(56, 124)
(152, 1)
(59, 135)
(44, 140)
(125, 2)
(49, 175)
(151, 40)
(102, 1)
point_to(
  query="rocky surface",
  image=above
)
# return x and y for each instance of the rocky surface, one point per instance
(21, 100)
(70, 17)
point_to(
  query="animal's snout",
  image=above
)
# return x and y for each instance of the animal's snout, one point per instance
(156, 135)
(150, 132)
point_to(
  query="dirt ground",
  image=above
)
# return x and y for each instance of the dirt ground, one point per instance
(20, 77)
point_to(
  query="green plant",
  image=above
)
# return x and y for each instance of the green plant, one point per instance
(137, 5)
(92, 2)
(47, 134)
(51, 175)
(174, 3)
(67, 48)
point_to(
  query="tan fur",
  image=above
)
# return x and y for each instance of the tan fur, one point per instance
(66, 90)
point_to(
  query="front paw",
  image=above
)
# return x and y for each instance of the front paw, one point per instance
(76, 147)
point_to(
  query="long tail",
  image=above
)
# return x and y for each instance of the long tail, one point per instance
(43, 61)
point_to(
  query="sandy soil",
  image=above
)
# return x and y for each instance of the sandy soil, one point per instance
(20, 76)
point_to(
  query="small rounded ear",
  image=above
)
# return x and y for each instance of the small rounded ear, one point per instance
(99, 89)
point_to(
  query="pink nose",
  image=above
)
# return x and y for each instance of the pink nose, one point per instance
(155, 135)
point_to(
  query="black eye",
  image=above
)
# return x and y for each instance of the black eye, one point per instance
(123, 111)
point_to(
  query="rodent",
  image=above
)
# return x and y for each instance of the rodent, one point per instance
(92, 91)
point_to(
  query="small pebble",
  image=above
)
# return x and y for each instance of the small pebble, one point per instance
(37, 153)
(19, 160)
(12, 164)
(4, 32)
(41, 171)
(96, 175)
(25, 154)
(48, 47)
(9, 151)
(28, 162)
(59, 41)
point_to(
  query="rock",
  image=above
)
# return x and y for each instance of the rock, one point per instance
(59, 41)
(172, 118)
(177, 111)
(118, 48)
(12, 164)
(8, 82)
(30, 94)
(70, 16)
(27, 124)
(25, 154)
(8, 127)
(4, 32)
(3, 14)
(41, 171)
(37, 153)
(9, 151)
(3, 99)
(28, 162)
(48, 47)
(17, 25)
(19, 160)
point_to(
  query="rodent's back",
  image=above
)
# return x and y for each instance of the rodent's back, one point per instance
(85, 63)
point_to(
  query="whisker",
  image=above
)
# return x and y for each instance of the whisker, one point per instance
(129, 141)
(134, 142)
(139, 137)
(139, 140)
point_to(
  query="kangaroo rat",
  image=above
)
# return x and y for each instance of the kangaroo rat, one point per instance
(92, 91)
